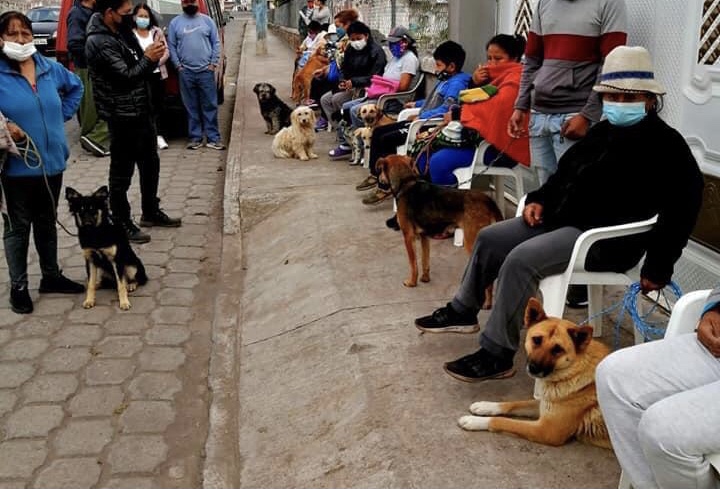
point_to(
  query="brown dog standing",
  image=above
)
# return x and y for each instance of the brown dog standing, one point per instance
(425, 210)
(562, 356)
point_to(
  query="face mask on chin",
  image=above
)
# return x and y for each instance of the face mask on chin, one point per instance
(190, 9)
(18, 52)
(624, 114)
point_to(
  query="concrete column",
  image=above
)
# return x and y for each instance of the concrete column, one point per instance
(472, 23)
(260, 13)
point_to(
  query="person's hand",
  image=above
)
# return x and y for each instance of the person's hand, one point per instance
(532, 214)
(155, 51)
(16, 133)
(481, 75)
(212, 67)
(345, 85)
(708, 331)
(648, 285)
(517, 123)
(447, 117)
(409, 105)
(575, 128)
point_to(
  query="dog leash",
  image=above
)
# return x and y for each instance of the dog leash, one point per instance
(492, 163)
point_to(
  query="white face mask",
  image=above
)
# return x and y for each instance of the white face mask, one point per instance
(359, 45)
(18, 52)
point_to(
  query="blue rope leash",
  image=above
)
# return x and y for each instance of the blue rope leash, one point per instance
(629, 304)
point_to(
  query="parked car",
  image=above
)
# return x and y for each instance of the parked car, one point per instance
(175, 115)
(44, 26)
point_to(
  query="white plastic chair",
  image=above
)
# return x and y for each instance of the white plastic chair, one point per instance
(464, 177)
(554, 288)
(683, 320)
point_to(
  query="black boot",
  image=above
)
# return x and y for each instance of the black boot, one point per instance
(20, 301)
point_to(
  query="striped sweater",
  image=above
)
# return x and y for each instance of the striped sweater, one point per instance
(567, 43)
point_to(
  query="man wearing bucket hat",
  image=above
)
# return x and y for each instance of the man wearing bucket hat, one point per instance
(628, 168)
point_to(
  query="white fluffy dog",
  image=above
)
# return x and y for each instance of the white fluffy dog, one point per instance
(297, 140)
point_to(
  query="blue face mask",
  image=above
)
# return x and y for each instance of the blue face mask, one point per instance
(142, 22)
(624, 114)
(340, 32)
(397, 49)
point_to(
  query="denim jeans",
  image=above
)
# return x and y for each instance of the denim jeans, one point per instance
(29, 206)
(547, 145)
(199, 95)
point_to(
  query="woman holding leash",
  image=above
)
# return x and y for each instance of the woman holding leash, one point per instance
(37, 96)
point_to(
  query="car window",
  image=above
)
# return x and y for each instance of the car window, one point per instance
(44, 15)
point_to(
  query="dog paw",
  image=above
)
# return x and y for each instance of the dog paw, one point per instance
(125, 306)
(474, 423)
(304, 158)
(425, 277)
(88, 304)
(313, 156)
(485, 408)
(410, 283)
(131, 287)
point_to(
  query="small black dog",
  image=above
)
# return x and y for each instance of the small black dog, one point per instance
(275, 112)
(105, 247)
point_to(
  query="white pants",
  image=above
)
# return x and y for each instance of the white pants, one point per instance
(661, 404)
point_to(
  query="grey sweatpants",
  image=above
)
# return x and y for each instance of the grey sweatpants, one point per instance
(333, 102)
(519, 257)
(660, 403)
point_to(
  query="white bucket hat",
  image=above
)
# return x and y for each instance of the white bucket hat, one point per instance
(628, 69)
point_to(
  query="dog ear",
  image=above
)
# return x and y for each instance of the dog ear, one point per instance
(102, 193)
(534, 312)
(256, 88)
(581, 336)
(381, 166)
(272, 89)
(71, 194)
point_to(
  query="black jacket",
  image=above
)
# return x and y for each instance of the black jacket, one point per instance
(119, 72)
(360, 66)
(617, 175)
(77, 21)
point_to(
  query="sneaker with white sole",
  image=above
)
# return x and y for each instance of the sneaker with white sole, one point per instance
(194, 145)
(161, 143)
(215, 145)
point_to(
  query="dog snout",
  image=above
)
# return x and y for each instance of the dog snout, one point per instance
(538, 369)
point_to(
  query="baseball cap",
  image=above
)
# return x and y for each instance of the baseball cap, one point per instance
(398, 33)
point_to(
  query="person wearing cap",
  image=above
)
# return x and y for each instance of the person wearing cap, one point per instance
(629, 167)
(659, 401)
(402, 68)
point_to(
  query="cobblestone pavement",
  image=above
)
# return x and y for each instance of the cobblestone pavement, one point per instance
(109, 398)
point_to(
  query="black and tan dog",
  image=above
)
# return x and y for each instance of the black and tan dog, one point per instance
(275, 112)
(425, 210)
(562, 356)
(105, 246)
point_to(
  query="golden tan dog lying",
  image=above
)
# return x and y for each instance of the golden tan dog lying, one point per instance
(563, 357)
(425, 210)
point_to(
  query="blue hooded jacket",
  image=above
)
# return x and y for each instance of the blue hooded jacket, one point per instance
(445, 94)
(40, 113)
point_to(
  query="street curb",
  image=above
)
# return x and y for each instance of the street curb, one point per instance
(221, 469)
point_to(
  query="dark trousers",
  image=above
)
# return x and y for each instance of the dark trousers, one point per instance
(157, 92)
(318, 88)
(29, 205)
(384, 142)
(133, 141)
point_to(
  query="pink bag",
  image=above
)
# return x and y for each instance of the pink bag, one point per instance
(379, 85)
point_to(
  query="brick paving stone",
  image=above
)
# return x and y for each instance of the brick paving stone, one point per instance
(192, 218)
(172, 315)
(8, 397)
(10, 484)
(83, 437)
(194, 230)
(24, 349)
(97, 315)
(130, 483)
(96, 401)
(161, 358)
(147, 417)
(155, 258)
(38, 326)
(141, 304)
(19, 458)
(78, 473)
(123, 324)
(50, 388)
(14, 374)
(110, 371)
(65, 359)
(82, 335)
(151, 288)
(5, 336)
(155, 272)
(183, 265)
(181, 280)
(136, 453)
(118, 347)
(176, 297)
(56, 307)
(7, 317)
(155, 386)
(192, 252)
(184, 240)
(30, 421)
(167, 335)
(157, 246)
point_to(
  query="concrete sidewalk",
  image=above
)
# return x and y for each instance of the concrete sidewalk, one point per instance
(336, 388)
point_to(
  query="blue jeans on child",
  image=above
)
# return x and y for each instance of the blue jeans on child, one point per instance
(547, 145)
(199, 95)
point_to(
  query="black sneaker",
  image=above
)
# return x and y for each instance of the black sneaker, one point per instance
(20, 301)
(60, 285)
(160, 219)
(447, 320)
(134, 234)
(481, 365)
(392, 223)
(577, 296)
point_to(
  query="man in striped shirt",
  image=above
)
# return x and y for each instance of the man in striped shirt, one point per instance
(567, 43)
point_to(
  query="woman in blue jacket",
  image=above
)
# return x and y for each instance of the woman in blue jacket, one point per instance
(37, 96)
(449, 59)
